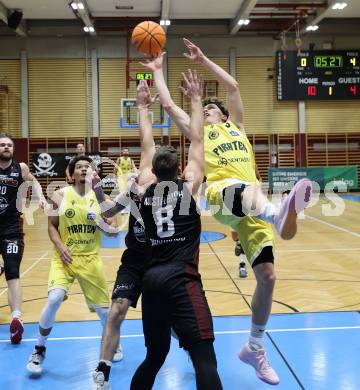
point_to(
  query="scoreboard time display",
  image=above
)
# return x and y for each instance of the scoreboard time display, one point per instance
(145, 76)
(318, 75)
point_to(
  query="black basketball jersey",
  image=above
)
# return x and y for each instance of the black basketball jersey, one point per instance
(10, 181)
(172, 222)
(135, 238)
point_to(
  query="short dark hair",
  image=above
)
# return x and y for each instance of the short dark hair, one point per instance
(6, 135)
(217, 102)
(165, 163)
(74, 160)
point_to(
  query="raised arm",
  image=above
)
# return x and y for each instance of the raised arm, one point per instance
(179, 116)
(144, 101)
(110, 207)
(133, 167)
(36, 187)
(116, 166)
(194, 170)
(235, 104)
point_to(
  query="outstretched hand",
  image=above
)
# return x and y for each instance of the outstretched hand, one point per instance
(192, 86)
(155, 62)
(143, 95)
(195, 54)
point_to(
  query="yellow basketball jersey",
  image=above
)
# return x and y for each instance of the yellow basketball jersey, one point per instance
(125, 166)
(78, 217)
(228, 153)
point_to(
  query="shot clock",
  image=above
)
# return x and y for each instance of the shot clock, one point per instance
(318, 75)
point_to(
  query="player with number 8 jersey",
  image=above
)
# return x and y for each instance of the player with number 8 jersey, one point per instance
(172, 293)
(173, 233)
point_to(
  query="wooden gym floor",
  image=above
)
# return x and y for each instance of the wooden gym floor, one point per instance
(318, 271)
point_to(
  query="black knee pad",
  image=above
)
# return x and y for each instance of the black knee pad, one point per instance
(265, 256)
(232, 197)
(12, 252)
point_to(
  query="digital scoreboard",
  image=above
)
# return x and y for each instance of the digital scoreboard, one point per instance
(147, 76)
(318, 75)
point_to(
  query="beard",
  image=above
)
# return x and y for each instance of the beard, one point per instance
(5, 156)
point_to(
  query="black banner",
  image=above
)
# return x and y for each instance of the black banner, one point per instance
(54, 165)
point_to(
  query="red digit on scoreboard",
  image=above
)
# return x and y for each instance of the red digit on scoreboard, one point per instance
(353, 89)
(311, 90)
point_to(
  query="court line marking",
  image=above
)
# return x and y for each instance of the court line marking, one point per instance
(335, 226)
(29, 269)
(277, 251)
(216, 333)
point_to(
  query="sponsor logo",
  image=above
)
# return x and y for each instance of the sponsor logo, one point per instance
(222, 162)
(91, 216)
(234, 133)
(69, 213)
(123, 287)
(3, 205)
(71, 242)
(8, 181)
(213, 134)
(14, 174)
(139, 231)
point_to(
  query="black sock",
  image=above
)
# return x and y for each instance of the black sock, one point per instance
(105, 369)
(40, 349)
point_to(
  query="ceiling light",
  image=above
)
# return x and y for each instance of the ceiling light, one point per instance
(312, 28)
(165, 22)
(74, 5)
(80, 5)
(127, 7)
(86, 29)
(339, 6)
(244, 22)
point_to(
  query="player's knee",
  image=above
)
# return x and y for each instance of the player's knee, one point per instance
(157, 354)
(56, 296)
(267, 278)
(117, 314)
(12, 271)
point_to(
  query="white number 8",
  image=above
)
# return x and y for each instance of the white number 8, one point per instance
(163, 222)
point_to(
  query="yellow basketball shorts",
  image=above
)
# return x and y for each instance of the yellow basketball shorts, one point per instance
(88, 271)
(254, 234)
(121, 177)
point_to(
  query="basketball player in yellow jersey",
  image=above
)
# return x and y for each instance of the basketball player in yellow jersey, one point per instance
(124, 165)
(235, 197)
(73, 229)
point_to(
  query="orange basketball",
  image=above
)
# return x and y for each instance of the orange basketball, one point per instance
(149, 38)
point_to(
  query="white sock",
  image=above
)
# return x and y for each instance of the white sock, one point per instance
(256, 339)
(42, 340)
(268, 212)
(102, 313)
(16, 314)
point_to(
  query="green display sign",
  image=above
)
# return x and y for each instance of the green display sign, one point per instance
(281, 178)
